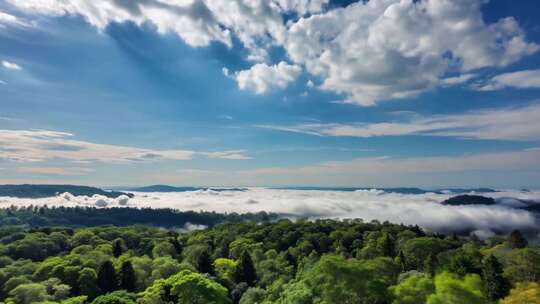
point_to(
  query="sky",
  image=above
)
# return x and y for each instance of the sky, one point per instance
(380, 93)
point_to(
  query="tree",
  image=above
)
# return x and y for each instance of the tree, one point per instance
(106, 278)
(204, 263)
(413, 290)
(450, 288)
(385, 244)
(163, 249)
(516, 240)
(524, 293)
(87, 283)
(118, 247)
(186, 287)
(430, 264)
(29, 293)
(117, 297)
(523, 265)
(245, 271)
(253, 295)
(127, 276)
(496, 285)
(400, 261)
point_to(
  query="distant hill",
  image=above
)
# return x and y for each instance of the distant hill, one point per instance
(166, 188)
(42, 191)
(401, 190)
(469, 200)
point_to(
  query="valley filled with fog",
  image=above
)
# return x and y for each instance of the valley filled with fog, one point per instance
(424, 210)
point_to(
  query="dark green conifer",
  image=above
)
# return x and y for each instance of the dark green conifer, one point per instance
(127, 276)
(245, 271)
(496, 285)
(107, 278)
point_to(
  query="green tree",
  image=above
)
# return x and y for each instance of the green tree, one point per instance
(253, 295)
(413, 290)
(245, 270)
(186, 287)
(127, 276)
(87, 283)
(385, 245)
(117, 297)
(164, 249)
(495, 283)
(430, 264)
(29, 293)
(450, 289)
(106, 278)
(523, 265)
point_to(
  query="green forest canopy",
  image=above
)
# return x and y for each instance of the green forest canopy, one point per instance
(286, 262)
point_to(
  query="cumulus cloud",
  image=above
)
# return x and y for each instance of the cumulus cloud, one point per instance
(261, 77)
(527, 79)
(368, 51)
(39, 145)
(517, 123)
(377, 50)
(424, 210)
(11, 65)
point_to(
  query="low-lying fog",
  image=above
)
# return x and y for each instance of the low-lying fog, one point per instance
(424, 210)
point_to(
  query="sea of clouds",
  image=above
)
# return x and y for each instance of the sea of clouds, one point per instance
(424, 210)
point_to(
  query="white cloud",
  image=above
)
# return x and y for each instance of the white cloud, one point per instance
(423, 210)
(8, 19)
(40, 145)
(396, 49)
(368, 51)
(11, 65)
(3, 82)
(520, 123)
(523, 80)
(452, 81)
(261, 77)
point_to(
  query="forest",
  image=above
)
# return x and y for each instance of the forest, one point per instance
(258, 260)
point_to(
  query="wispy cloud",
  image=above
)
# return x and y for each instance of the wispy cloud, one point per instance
(517, 123)
(39, 145)
(11, 65)
(70, 171)
(527, 79)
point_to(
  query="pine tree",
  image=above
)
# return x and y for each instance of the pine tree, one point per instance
(245, 271)
(118, 247)
(127, 276)
(496, 285)
(107, 277)
(204, 263)
(516, 240)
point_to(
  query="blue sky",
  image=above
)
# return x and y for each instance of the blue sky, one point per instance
(270, 93)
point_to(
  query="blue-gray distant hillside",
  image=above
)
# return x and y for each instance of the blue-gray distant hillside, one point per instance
(166, 188)
(41, 191)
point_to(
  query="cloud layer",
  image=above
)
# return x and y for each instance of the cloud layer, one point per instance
(518, 123)
(527, 79)
(423, 210)
(368, 51)
(40, 145)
